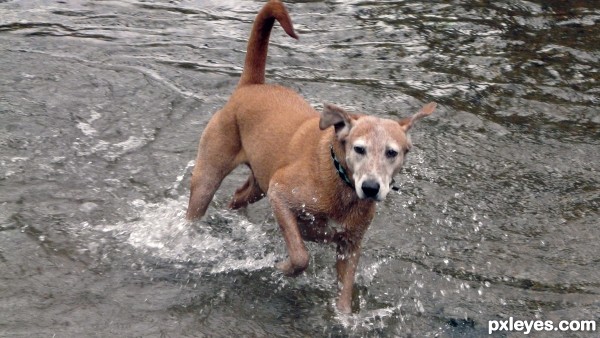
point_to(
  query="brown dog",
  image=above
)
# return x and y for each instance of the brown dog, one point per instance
(312, 173)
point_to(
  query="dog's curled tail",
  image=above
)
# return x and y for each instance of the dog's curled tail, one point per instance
(256, 55)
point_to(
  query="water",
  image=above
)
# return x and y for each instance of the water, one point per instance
(102, 105)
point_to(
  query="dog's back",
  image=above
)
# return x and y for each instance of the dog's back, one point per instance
(269, 118)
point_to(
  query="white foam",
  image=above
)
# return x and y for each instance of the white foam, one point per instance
(162, 231)
(86, 129)
(367, 319)
(133, 142)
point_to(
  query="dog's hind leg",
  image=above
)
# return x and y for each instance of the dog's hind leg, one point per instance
(248, 193)
(219, 153)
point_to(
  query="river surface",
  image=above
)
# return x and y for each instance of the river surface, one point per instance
(102, 104)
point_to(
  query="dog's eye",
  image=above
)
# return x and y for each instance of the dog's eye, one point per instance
(360, 150)
(391, 153)
(406, 150)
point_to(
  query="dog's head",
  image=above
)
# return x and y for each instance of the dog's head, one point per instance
(375, 148)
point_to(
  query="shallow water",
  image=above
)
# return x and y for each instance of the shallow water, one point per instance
(102, 105)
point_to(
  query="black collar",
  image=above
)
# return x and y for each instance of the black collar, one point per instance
(340, 170)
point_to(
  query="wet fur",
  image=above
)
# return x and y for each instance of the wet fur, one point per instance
(286, 144)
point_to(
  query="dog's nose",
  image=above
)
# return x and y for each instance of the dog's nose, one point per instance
(370, 188)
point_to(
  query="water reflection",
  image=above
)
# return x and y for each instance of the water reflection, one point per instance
(102, 105)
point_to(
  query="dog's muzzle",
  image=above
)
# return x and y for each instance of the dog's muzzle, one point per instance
(370, 188)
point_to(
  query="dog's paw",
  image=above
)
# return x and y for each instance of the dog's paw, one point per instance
(344, 306)
(289, 269)
(285, 267)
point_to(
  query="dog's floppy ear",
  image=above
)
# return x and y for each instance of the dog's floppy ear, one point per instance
(337, 117)
(407, 123)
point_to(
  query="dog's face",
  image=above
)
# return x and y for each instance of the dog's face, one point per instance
(375, 148)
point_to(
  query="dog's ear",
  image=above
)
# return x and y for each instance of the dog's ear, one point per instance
(407, 123)
(337, 117)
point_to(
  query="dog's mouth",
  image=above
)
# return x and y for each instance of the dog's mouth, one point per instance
(374, 199)
(371, 193)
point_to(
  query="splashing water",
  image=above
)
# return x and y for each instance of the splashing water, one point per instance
(161, 230)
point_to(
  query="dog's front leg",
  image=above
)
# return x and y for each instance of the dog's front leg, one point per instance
(297, 261)
(348, 253)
